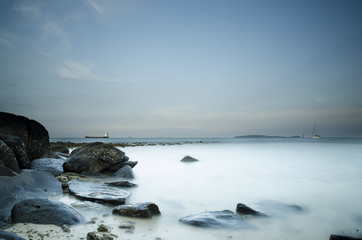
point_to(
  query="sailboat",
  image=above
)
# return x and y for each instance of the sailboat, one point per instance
(314, 133)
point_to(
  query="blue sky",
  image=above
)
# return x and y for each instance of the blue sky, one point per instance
(200, 68)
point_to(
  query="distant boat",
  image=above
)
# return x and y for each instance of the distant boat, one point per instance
(95, 136)
(314, 133)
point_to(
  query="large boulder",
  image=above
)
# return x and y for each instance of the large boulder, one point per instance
(97, 192)
(8, 158)
(18, 147)
(216, 219)
(96, 157)
(51, 165)
(341, 237)
(44, 211)
(34, 135)
(139, 210)
(32, 184)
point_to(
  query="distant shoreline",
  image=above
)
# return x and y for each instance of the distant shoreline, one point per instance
(265, 136)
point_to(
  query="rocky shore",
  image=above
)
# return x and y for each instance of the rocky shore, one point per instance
(36, 174)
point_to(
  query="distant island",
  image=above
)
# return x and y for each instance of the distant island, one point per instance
(265, 136)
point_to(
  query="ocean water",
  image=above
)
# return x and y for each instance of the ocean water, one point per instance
(323, 176)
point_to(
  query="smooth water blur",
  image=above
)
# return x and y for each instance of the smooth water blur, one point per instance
(323, 176)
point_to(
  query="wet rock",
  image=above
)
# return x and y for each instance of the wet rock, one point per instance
(340, 237)
(139, 210)
(189, 159)
(124, 184)
(124, 172)
(87, 205)
(33, 134)
(96, 157)
(8, 157)
(18, 147)
(4, 171)
(52, 165)
(244, 210)
(97, 192)
(32, 184)
(130, 226)
(59, 149)
(103, 228)
(216, 219)
(9, 236)
(280, 209)
(44, 211)
(66, 228)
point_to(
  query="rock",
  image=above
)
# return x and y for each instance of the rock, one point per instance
(280, 209)
(125, 184)
(32, 184)
(66, 228)
(96, 157)
(18, 146)
(189, 159)
(340, 237)
(127, 225)
(8, 157)
(244, 210)
(96, 192)
(140, 210)
(33, 134)
(93, 236)
(103, 228)
(124, 172)
(44, 211)
(59, 149)
(215, 219)
(9, 236)
(52, 165)
(4, 171)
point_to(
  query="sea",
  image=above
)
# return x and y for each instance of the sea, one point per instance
(322, 176)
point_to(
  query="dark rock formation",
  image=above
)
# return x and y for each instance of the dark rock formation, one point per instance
(340, 237)
(33, 134)
(96, 192)
(44, 211)
(4, 171)
(139, 210)
(124, 172)
(18, 147)
(59, 149)
(51, 165)
(189, 159)
(125, 184)
(9, 236)
(215, 219)
(32, 184)
(244, 210)
(8, 157)
(96, 157)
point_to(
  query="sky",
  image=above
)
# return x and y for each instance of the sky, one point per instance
(190, 68)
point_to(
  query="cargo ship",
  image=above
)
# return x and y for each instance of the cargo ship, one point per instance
(95, 136)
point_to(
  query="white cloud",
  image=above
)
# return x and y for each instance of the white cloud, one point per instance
(95, 6)
(80, 71)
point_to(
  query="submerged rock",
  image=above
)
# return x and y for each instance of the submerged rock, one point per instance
(97, 192)
(189, 159)
(124, 172)
(280, 209)
(125, 184)
(96, 157)
(340, 237)
(140, 210)
(33, 184)
(52, 165)
(215, 219)
(244, 210)
(9, 236)
(44, 211)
